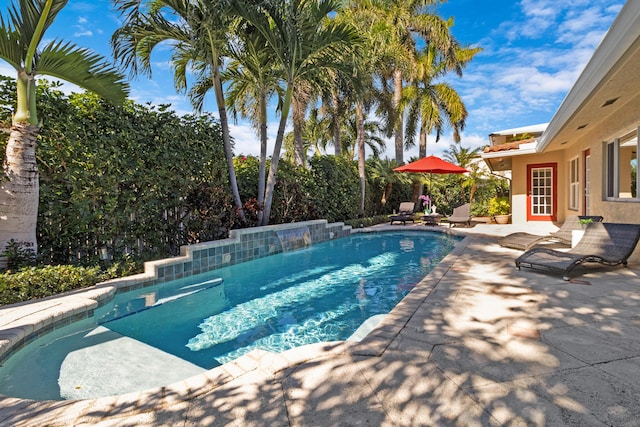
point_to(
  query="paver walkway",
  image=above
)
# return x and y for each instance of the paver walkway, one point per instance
(477, 343)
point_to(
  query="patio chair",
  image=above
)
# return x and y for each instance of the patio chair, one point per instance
(405, 213)
(605, 243)
(524, 241)
(460, 215)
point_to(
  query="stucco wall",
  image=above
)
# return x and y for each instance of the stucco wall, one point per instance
(623, 121)
(593, 138)
(519, 183)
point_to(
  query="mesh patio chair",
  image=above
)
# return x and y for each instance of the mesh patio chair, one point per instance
(605, 243)
(405, 213)
(524, 241)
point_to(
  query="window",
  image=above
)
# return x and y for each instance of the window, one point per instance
(574, 184)
(622, 167)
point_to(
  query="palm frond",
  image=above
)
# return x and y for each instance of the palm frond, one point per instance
(84, 68)
(10, 49)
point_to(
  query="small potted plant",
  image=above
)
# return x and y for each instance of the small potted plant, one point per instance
(426, 203)
(499, 208)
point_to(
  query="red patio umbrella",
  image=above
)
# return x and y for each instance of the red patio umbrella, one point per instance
(431, 164)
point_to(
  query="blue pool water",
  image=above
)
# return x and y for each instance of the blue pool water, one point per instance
(322, 293)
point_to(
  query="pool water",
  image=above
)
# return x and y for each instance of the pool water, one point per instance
(319, 294)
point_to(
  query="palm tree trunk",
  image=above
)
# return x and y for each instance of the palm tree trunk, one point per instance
(262, 167)
(422, 152)
(19, 191)
(422, 145)
(275, 158)
(228, 154)
(361, 160)
(298, 123)
(337, 139)
(387, 193)
(397, 97)
(226, 138)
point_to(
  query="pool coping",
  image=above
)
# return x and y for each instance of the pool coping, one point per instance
(24, 322)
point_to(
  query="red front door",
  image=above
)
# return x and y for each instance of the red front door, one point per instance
(542, 185)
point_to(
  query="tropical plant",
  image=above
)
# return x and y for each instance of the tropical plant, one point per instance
(371, 131)
(433, 104)
(199, 33)
(466, 158)
(499, 206)
(382, 172)
(302, 40)
(253, 80)
(21, 45)
(400, 26)
(361, 95)
(315, 137)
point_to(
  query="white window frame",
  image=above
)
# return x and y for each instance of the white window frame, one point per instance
(612, 189)
(574, 184)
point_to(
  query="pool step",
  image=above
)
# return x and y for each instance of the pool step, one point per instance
(366, 327)
(117, 364)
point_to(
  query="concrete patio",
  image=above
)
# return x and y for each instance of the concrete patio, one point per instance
(476, 343)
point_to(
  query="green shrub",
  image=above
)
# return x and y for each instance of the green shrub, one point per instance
(31, 282)
(336, 189)
(18, 256)
(367, 221)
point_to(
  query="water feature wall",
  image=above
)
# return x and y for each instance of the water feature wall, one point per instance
(294, 238)
(242, 245)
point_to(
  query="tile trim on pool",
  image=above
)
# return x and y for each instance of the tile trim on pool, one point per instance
(24, 322)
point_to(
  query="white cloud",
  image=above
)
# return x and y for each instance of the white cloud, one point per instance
(83, 28)
(246, 141)
(83, 33)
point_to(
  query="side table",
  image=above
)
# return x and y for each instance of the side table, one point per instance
(431, 219)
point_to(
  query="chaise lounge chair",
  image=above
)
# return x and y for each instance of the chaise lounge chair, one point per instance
(524, 241)
(460, 215)
(405, 213)
(605, 243)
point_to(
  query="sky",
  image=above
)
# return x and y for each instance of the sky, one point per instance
(532, 53)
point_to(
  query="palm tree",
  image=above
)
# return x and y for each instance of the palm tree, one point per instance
(301, 41)
(359, 127)
(433, 105)
(198, 31)
(399, 25)
(317, 131)
(464, 157)
(382, 172)
(253, 80)
(21, 39)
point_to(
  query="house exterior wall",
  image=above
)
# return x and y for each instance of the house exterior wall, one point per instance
(519, 184)
(625, 119)
(594, 139)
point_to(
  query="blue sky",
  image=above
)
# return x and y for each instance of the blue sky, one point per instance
(533, 52)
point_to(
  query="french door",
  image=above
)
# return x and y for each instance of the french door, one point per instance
(542, 185)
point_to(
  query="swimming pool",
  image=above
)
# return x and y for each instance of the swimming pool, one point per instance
(177, 329)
